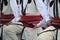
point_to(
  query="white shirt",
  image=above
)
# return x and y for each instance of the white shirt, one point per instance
(41, 6)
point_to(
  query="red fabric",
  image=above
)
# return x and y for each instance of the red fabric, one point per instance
(30, 19)
(10, 16)
(56, 20)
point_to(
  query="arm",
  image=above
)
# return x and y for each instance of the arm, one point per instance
(15, 10)
(43, 10)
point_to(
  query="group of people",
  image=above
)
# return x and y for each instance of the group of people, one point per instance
(23, 14)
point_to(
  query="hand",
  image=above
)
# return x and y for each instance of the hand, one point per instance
(48, 23)
(8, 23)
(35, 26)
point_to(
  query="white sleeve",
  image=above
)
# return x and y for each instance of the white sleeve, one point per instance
(15, 10)
(43, 9)
(42, 23)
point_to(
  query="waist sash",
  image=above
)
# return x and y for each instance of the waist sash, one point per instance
(30, 20)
